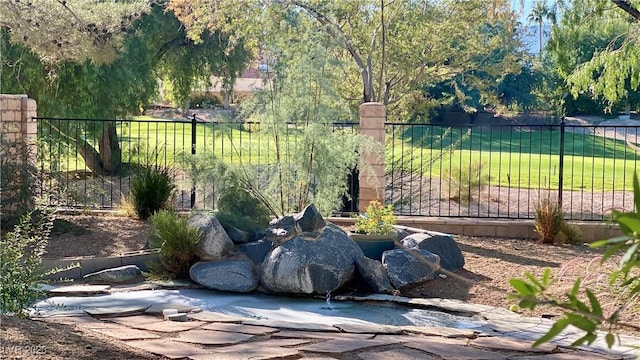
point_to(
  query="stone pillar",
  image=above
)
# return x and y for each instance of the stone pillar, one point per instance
(372, 180)
(17, 124)
(17, 113)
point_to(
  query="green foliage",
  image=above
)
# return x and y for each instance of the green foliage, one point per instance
(308, 160)
(238, 208)
(204, 101)
(376, 220)
(582, 308)
(466, 182)
(151, 188)
(595, 52)
(21, 259)
(71, 30)
(176, 240)
(19, 179)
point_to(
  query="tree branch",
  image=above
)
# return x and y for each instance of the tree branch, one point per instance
(628, 8)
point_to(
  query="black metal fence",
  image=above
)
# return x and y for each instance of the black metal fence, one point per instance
(483, 171)
(504, 171)
(73, 154)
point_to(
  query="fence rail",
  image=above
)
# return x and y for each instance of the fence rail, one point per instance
(503, 171)
(486, 171)
(63, 143)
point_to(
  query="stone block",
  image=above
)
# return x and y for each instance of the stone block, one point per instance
(169, 349)
(169, 326)
(240, 328)
(11, 104)
(373, 109)
(27, 104)
(479, 230)
(10, 136)
(125, 333)
(30, 128)
(91, 265)
(520, 231)
(340, 346)
(210, 337)
(8, 116)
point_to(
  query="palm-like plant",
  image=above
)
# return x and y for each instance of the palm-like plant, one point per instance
(539, 13)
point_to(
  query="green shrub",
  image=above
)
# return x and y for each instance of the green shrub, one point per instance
(549, 221)
(19, 180)
(466, 182)
(238, 208)
(176, 240)
(204, 101)
(151, 189)
(377, 219)
(21, 259)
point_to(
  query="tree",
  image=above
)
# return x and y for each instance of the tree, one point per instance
(154, 45)
(613, 72)
(581, 35)
(538, 14)
(386, 49)
(75, 30)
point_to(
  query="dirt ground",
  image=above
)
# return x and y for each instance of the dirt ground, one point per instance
(489, 264)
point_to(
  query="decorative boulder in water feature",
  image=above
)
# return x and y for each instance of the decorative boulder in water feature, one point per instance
(374, 275)
(237, 275)
(215, 243)
(311, 264)
(309, 219)
(236, 235)
(404, 269)
(451, 257)
(256, 250)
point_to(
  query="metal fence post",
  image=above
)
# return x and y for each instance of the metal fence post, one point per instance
(561, 166)
(193, 152)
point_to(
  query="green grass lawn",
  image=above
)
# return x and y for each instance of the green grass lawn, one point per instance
(526, 157)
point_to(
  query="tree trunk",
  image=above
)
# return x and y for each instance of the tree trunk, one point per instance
(90, 156)
(108, 158)
(109, 149)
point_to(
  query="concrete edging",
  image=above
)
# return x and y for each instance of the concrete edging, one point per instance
(518, 229)
(90, 264)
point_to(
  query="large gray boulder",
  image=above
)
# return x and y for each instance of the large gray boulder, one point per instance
(118, 275)
(256, 250)
(374, 275)
(309, 219)
(282, 229)
(237, 275)
(236, 235)
(215, 243)
(405, 269)
(310, 264)
(451, 257)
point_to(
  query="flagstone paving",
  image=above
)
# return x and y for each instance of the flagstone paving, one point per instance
(210, 335)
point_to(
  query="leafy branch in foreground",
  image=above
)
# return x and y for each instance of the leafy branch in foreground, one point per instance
(583, 309)
(21, 252)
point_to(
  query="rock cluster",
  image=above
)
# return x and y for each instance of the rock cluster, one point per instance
(302, 254)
